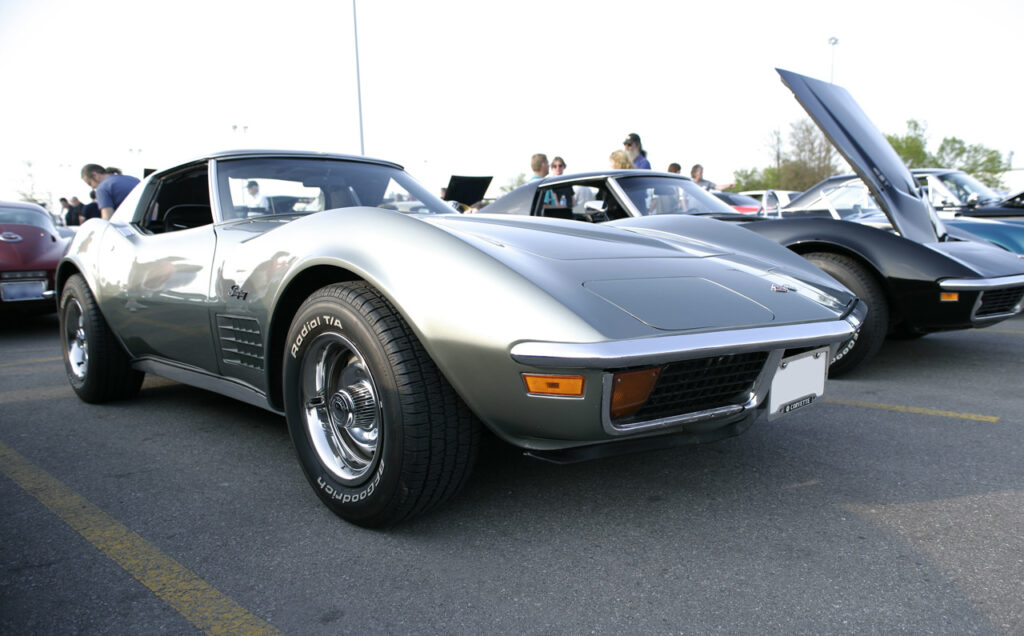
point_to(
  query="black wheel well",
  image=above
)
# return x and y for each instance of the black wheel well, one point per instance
(64, 271)
(803, 249)
(294, 295)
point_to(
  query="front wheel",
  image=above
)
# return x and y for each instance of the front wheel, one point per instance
(97, 366)
(380, 434)
(866, 342)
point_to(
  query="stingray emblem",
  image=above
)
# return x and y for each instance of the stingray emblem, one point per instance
(10, 237)
(782, 289)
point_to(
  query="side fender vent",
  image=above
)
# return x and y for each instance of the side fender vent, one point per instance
(241, 342)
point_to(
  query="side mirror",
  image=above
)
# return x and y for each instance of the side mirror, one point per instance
(770, 204)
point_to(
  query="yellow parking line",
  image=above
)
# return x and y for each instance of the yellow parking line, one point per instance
(1019, 333)
(195, 599)
(36, 361)
(914, 409)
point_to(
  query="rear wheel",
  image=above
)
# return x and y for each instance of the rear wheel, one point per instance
(97, 366)
(380, 433)
(866, 342)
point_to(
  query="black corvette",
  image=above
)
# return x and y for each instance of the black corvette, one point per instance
(915, 277)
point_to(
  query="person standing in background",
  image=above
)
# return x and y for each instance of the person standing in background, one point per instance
(697, 174)
(91, 209)
(636, 151)
(564, 194)
(619, 160)
(111, 189)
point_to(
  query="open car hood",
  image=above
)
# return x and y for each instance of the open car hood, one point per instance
(868, 151)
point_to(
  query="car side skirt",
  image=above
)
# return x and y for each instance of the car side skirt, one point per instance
(205, 380)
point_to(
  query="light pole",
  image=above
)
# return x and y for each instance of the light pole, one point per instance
(359, 89)
(833, 41)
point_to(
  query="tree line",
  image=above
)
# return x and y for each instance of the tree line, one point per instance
(810, 157)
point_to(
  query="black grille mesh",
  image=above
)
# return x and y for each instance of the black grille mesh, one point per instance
(999, 301)
(701, 384)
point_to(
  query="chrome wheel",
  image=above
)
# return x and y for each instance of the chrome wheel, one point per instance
(77, 346)
(341, 407)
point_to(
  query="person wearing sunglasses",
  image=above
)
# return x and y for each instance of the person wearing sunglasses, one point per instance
(636, 151)
(564, 195)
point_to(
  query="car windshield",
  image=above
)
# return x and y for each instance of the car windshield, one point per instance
(964, 185)
(253, 187)
(22, 216)
(852, 201)
(667, 195)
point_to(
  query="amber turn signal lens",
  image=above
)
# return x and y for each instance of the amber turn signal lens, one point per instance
(949, 297)
(564, 385)
(630, 391)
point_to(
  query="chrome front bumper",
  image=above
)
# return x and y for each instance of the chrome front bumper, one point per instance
(617, 354)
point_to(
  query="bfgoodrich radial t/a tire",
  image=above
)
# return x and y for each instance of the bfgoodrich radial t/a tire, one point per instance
(97, 366)
(869, 338)
(380, 433)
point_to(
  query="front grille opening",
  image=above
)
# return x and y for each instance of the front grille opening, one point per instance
(698, 385)
(999, 301)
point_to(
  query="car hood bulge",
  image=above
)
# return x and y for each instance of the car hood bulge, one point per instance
(668, 284)
(841, 119)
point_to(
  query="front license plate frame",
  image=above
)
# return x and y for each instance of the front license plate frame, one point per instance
(798, 382)
(23, 290)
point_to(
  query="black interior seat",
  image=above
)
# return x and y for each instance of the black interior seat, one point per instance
(187, 215)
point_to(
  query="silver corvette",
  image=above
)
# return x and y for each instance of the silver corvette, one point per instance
(386, 328)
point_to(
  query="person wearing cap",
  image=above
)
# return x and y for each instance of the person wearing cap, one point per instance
(636, 151)
(253, 198)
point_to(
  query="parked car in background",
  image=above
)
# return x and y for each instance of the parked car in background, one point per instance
(846, 197)
(740, 202)
(30, 247)
(954, 192)
(386, 336)
(783, 196)
(915, 276)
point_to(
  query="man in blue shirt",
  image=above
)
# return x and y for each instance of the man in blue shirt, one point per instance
(111, 189)
(636, 151)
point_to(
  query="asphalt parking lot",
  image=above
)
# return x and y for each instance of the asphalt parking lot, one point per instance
(894, 507)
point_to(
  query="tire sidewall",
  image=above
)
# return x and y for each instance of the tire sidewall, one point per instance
(871, 334)
(75, 289)
(325, 316)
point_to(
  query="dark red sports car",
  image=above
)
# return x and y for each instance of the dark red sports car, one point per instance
(30, 247)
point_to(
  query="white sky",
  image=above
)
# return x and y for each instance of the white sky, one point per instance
(476, 87)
